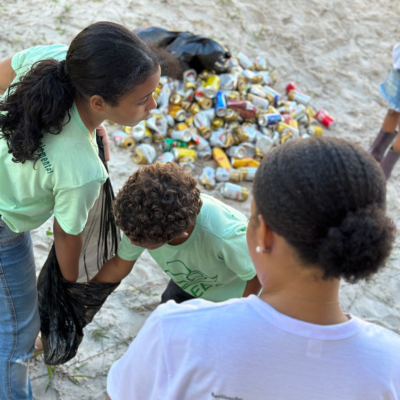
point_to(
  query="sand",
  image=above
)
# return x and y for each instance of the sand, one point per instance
(339, 51)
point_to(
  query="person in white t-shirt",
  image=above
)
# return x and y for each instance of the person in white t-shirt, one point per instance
(317, 216)
(390, 91)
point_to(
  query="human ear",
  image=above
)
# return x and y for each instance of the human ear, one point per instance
(265, 238)
(97, 103)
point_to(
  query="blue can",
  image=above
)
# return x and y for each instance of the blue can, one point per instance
(220, 105)
(272, 119)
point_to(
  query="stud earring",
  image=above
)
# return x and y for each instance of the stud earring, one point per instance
(258, 249)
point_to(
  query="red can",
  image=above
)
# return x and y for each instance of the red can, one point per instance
(292, 86)
(325, 118)
(287, 118)
(244, 108)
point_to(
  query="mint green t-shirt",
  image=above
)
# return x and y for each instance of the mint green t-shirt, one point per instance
(67, 177)
(214, 263)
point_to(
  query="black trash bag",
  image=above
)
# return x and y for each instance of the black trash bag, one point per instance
(65, 308)
(193, 51)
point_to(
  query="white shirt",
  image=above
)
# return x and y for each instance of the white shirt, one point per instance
(396, 56)
(243, 349)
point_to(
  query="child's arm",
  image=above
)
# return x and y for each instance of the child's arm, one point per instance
(114, 270)
(253, 286)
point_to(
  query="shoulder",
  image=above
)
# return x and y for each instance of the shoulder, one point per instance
(23, 60)
(196, 309)
(381, 337)
(219, 218)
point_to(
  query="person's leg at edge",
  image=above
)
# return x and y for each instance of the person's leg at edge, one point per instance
(393, 155)
(386, 135)
(19, 317)
(174, 292)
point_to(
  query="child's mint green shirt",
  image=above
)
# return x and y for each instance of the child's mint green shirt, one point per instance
(214, 263)
(66, 179)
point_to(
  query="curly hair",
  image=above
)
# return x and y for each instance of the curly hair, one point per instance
(327, 198)
(158, 203)
(105, 59)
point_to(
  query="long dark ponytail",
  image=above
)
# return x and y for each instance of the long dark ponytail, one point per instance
(104, 59)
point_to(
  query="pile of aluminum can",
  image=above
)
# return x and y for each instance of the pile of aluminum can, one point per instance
(235, 118)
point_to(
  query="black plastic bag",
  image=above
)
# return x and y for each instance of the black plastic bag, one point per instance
(193, 51)
(65, 308)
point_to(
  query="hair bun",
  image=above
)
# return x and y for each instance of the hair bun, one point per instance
(359, 246)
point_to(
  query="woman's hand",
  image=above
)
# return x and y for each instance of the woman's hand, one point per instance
(102, 132)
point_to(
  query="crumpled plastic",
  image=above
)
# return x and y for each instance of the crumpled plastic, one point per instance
(65, 307)
(193, 51)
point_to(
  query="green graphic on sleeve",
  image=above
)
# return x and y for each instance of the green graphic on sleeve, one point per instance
(194, 282)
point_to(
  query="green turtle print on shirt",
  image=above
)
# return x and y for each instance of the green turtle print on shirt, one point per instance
(194, 282)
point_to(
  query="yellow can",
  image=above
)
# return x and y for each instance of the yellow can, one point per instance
(181, 126)
(258, 154)
(286, 136)
(127, 129)
(187, 159)
(205, 131)
(177, 113)
(211, 85)
(233, 95)
(205, 103)
(189, 121)
(176, 99)
(180, 152)
(293, 123)
(282, 126)
(231, 115)
(314, 130)
(190, 86)
(221, 158)
(217, 122)
(310, 113)
(242, 83)
(194, 108)
(244, 162)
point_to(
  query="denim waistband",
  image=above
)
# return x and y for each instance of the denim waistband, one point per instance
(6, 234)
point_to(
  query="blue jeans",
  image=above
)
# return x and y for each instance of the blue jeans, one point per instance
(19, 317)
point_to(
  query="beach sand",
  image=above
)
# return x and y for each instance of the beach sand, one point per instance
(338, 51)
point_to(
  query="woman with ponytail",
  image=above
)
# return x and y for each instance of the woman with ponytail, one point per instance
(317, 217)
(54, 101)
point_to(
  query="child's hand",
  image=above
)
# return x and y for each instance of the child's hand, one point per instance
(114, 270)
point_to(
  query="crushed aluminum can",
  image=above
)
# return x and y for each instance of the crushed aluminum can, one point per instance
(190, 75)
(298, 97)
(314, 130)
(264, 143)
(325, 118)
(207, 178)
(144, 154)
(228, 175)
(184, 135)
(228, 81)
(166, 157)
(122, 139)
(234, 192)
(244, 61)
(248, 173)
(138, 131)
(236, 152)
(260, 63)
(220, 105)
(187, 167)
(200, 142)
(167, 144)
(205, 154)
(211, 86)
(180, 152)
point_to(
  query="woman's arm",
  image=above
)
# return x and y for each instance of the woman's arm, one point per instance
(68, 249)
(7, 75)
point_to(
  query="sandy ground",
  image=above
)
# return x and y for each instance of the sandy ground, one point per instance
(339, 51)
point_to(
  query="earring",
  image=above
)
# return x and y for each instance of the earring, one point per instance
(258, 249)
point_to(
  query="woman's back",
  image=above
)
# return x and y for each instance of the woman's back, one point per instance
(245, 349)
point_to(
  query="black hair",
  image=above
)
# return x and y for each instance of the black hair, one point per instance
(327, 198)
(105, 59)
(158, 203)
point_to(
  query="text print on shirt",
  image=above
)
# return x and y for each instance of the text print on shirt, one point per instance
(43, 159)
(195, 282)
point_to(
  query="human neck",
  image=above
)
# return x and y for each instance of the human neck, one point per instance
(89, 119)
(310, 300)
(182, 239)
